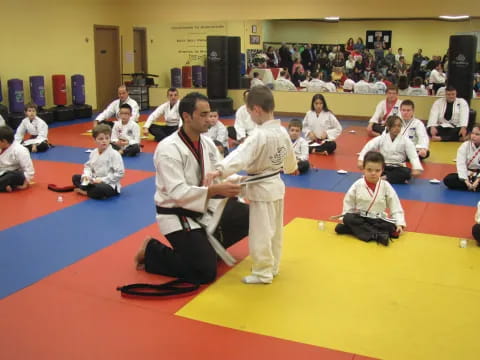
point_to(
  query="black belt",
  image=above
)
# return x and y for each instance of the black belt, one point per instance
(178, 211)
(258, 177)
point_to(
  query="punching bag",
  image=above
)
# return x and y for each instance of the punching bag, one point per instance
(217, 66)
(176, 78)
(78, 89)
(37, 90)
(234, 62)
(197, 76)
(461, 64)
(186, 76)
(204, 76)
(15, 96)
(59, 86)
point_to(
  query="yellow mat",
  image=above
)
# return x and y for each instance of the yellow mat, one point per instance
(419, 298)
(443, 152)
(140, 123)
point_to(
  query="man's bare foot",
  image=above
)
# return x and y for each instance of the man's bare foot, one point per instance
(80, 191)
(8, 188)
(140, 256)
(436, 138)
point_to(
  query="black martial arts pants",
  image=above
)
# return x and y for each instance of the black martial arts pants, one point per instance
(378, 128)
(476, 232)
(328, 146)
(397, 174)
(130, 150)
(191, 257)
(303, 166)
(42, 147)
(95, 191)
(160, 132)
(364, 228)
(11, 178)
(452, 181)
(447, 134)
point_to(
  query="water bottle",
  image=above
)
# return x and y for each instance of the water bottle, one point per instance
(321, 225)
(463, 243)
(60, 199)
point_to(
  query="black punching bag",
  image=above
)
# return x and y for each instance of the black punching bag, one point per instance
(234, 62)
(461, 64)
(217, 66)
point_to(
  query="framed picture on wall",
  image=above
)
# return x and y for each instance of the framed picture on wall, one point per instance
(382, 38)
(254, 39)
(254, 29)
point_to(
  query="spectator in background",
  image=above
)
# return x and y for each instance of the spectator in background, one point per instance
(285, 57)
(349, 45)
(298, 76)
(349, 64)
(390, 58)
(417, 88)
(256, 80)
(296, 56)
(297, 65)
(308, 58)
(282, 83)
(398, 55)
(272, 57)
(359, 45)
(370, 67)
(403, 85)
(401, 67)
(379, 52)
(437, 77)
(359, 69)
(416, 63)
(339, 60)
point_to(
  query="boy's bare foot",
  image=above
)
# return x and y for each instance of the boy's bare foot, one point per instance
(23, 186)
(8, 188)
(80, 191)
(436, 138)
(323, 153)
(140, 256)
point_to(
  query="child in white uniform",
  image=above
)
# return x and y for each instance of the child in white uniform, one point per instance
(385, 108)
(264, 154)
(300, 145)
(126, 133)
(16, 168)
(243, 126)
(321, 127)
(396, 149)
(366, 203)
(36, 127)
(414, 129)
(476, 227)
(169, 110)
(103, 170)
(217, 131)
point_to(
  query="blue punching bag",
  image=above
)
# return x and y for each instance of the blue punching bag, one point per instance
(37, 90)
(15, 95)
(78, 89)
(197, 76)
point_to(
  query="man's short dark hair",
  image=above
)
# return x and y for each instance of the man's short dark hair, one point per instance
(172, 89)
(261, 96)
(6, 133)
(393, 88)
(450, 88)
(188, 103)
(126, 106)
(256, 74)
(408, 102)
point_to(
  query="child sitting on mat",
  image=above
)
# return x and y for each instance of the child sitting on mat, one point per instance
(103, 170)
(476, 227)
(300, 145)
(396, 149)
(366, 204)
(467, 176)
(36, 128)
(16, 168)
(126, 133)
(321, 127)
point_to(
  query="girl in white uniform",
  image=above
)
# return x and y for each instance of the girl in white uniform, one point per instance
(263, 154)
(126, 133)
(103, 170)
(321, 127)
(467, 176)
(396, 149)
(366, 204)
(414, 129)
(36, 127)
(169, 110)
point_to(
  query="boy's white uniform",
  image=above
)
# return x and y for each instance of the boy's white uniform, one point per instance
(244, 125)
(362, 87)
(325, 121)
(459, 114)
(107, 166)
(395, 152)
(37, 128)
(265, 152)
(416, 132)
(282, 84)
(468, 158)
(218, 132)
(16, 157)
(379, 88)
(130, 131)
(171, 114)
(360, 198)
(256, 82)
(113, 110)
(380, 116)
(300, 147)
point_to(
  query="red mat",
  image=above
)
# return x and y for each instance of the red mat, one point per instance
(37, 200)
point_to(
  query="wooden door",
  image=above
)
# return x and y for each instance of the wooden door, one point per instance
(140, 50)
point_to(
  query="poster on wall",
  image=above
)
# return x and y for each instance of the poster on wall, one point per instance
(378, 38)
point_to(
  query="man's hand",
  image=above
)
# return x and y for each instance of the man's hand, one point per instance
(399, 229)
(463, 132)
(210, 177)
(311, 136)
(226, 189)
(469, 184)
(433, 131)
(475, 185)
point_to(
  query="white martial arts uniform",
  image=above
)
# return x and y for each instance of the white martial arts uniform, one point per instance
(179, 178)
(380, 116)
(2, 121)
(417, 91)
(468, 158)
(348, 85)
(415, 131)
(130, 131)
(244, 125)
(459, 114)
(362, 87)
(316, 85)
(171, 114)
(282, 84)
(16, 158)
(300, 147)
(379, 88)
(437, 77)
(113, 110)
(37, 128)
(395, 152)
(218, 132)
(266, 151)
(360, 198)
(325, 121)
(107, 166)
(256, 82)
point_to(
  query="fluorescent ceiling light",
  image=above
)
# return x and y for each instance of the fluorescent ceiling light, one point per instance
(451, 17)
(332, 18)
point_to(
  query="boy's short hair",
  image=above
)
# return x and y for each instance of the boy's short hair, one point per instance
(31, 105)
(126, 106)
(408, 102)
(188, 103)
(392, 88)
(213, 108)
(391, 121)
(245, 93)
(172, 89)
(417, 81)
(295, 123)
(374, 157)
(7, 134)
(261, 96)
(101, 129)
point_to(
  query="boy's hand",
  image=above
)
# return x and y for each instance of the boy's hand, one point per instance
(469, 184)
(422, 152)
(145, 131)
(34, 148)
(210, 177)
(311, 136)
(416, 172)
(400, 229)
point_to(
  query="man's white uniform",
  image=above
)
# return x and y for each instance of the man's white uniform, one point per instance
(282, 84)
(113, 110)
(244, 125)
(267, 151)
(170, 113)
(381, 114)
(459, 114)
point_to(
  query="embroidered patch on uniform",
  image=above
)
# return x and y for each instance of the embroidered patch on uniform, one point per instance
(278, 157)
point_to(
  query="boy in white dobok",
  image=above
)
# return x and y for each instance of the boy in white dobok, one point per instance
(414, 129)
(36, 128)
(300, 145)
(263, 155)
(126, 133)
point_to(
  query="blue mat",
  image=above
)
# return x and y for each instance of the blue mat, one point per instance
(38, 248)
